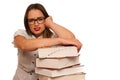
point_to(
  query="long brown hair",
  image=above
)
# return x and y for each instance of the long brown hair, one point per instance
(46, 33)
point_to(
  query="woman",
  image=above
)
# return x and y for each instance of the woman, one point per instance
(40, 32)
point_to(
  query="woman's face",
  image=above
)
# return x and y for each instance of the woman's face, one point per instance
(36, 22)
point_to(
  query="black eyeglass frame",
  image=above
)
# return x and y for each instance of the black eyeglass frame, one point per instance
(38, 19)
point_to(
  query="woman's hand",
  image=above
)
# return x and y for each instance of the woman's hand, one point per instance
(73, 42)
(48, 21)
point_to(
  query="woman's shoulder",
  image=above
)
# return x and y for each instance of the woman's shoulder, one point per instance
(21, 32)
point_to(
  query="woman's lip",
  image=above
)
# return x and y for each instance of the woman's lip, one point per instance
(37, 28)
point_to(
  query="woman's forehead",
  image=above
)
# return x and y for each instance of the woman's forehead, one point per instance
(35, 13)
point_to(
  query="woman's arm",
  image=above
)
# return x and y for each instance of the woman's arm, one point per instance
(61, 31)
(33, 44)
(68, 38)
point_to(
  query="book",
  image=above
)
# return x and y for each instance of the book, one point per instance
(58, 52)
(57, 63)
(56, 73)
(78, 76)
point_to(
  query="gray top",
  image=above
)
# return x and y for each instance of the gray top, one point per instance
(27, 59)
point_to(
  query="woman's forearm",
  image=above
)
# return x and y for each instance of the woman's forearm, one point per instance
(61, 31)
(33, 44)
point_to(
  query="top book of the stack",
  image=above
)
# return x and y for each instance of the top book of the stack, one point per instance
(58, 52)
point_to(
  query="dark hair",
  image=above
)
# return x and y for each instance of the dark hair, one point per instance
(47, 33)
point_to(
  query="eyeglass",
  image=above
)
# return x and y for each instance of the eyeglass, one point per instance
(39, 20)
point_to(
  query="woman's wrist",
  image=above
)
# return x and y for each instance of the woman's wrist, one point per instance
(49, 22)
(59, 40)
(51, 25)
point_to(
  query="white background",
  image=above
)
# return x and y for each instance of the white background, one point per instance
(94, 22)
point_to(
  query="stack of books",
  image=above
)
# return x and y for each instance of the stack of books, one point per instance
(59, 63)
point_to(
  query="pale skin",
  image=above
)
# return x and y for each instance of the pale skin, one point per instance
(65, 37)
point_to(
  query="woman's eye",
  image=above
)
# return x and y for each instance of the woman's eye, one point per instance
(30, 20)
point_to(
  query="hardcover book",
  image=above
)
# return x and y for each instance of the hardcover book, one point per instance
(57, 63)
(56, 73)
(78, 76)
(58, 52)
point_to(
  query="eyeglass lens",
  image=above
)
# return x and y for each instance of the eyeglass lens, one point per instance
(39, 20)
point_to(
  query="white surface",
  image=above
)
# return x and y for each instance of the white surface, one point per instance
(95, 23)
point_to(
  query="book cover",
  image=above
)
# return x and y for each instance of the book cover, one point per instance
(58, 52)
(78, 76)
(57, 63)
(55, 73)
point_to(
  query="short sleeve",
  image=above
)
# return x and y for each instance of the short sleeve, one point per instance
(20, 32)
